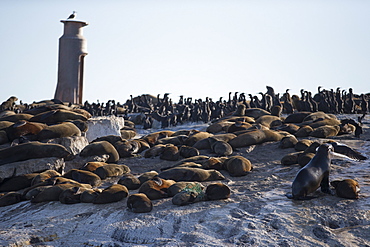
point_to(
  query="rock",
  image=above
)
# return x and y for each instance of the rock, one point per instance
(73, 144)
(103, 126)
(30, 166)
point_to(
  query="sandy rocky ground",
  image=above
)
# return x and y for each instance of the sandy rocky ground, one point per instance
(256, 214)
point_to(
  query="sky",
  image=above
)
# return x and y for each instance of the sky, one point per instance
(195, 48)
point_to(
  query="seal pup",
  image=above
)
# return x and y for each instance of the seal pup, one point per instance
(347, 188)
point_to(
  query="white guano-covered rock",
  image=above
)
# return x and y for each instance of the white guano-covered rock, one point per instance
(103, 126)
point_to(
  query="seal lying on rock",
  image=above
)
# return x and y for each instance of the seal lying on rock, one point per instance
(32, 150)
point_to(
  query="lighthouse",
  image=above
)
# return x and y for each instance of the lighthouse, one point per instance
(72, 52)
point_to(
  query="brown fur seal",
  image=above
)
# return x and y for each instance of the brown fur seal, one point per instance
(154, 151)
(290, 159)
(191, 174)
(17, 182)
(130, 181)
(304, 131)
(297, 117)
(147, 176)
(51, 193)
(58, 131)
(217, 191)
(24, 128)
(111, 170)
(71, 195)
(113, 193)
(220, 148)
(314, 175)
(99, 148)
(152, 138)
(237, 166)
(303, 144)
(187, 152)
(170, 152)
(89, 195)
(219, 126)
(126, 148)
(288, 142)
(57, 116)
(156, 188)
(238, 126)
(192, 139)
(32, 150)
(17, 117)
(139, 203)
(180, 186)
(3, 137)
(255, 137)
(347, 188)
(327, 121)
(175, 140)
(41, 177)
(82, 176)
(256, 112)
(269, 121)
(10, 198)
(325, 131)
(92, 166)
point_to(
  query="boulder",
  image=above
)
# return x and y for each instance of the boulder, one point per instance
(103, 126)
(30, 166)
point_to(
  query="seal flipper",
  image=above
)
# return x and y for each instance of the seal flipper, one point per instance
(301, 198)
(325, 187)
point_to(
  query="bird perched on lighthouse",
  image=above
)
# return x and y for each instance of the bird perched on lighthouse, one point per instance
(73, 15)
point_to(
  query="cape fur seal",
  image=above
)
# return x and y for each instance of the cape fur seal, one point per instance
(316, 173)
(347, 188)
(191, 174)
(113, 193)
(139, 203)
(32, 150)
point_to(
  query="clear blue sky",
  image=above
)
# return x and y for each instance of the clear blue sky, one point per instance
(191, 48)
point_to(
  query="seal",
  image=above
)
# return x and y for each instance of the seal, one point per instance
(313, 175)
(24, 128)
(170, 153)
(91, 166)
(41, 177)
(113, 193)
(99, 148)
(130, 181)
(17, 183)
(57, 116)
(347, 188)
(139, 203)
(32, 150)
(89, 195)
(256, 137)
(71, 195)
(66, 129)
(9, 198)
(237, 166)
(111, 170)
(217, 191)
(84, 177)
(51, 193)
(191, 174)
(187, 152)
(156, 188)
